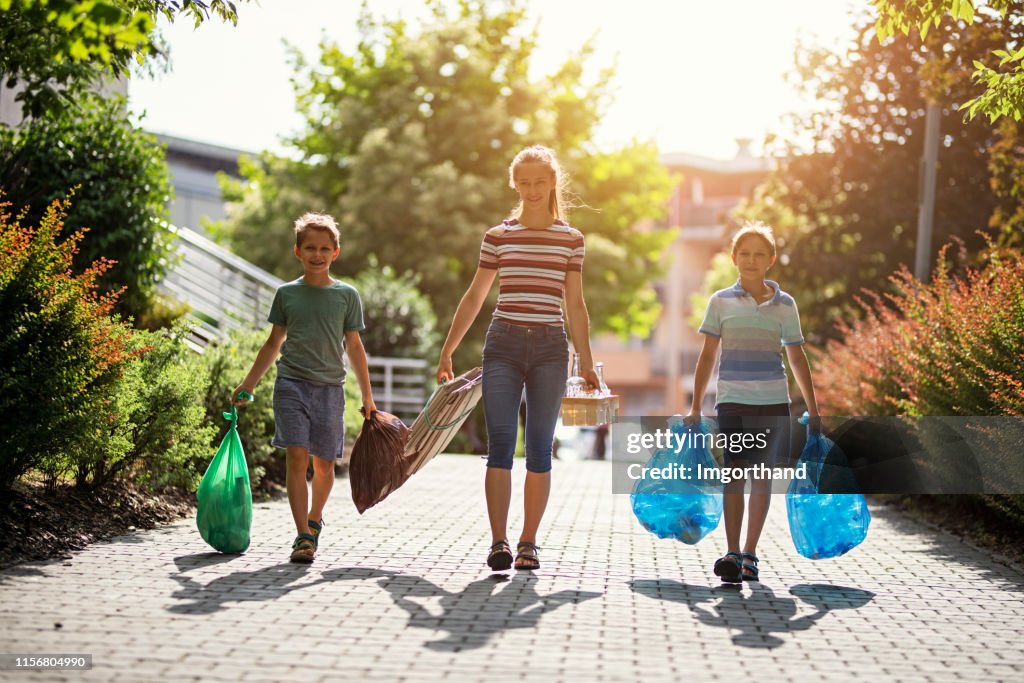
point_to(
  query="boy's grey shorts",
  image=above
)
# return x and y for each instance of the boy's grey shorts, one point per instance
(310, 416)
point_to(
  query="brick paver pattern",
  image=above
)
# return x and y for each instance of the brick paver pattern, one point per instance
(402, 594)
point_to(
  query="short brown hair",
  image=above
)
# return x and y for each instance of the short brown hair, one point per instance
(757, 229)
(320, 222)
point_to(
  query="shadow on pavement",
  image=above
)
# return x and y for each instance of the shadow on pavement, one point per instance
(20, 571)
(484, 608)
(267, 583)
(200, 560)
(134, 538)
(757, 614)
(945, 547)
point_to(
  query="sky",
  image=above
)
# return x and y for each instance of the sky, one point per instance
(691, 75)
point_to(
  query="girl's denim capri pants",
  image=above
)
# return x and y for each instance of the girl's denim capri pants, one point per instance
(309, 415)
(534, 356)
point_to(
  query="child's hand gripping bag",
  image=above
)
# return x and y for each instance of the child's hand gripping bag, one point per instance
(224, 514)
(684, 508)
(825, 525)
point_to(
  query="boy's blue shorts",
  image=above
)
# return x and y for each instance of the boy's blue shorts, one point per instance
(309, 416)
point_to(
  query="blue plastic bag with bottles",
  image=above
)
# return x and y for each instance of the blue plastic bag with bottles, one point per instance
(684, 509)
(825, 525)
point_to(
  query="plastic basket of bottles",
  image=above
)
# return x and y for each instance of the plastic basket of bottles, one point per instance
(583, 406)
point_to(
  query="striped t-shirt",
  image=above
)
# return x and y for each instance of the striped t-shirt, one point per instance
(751, 370)
(531, 267)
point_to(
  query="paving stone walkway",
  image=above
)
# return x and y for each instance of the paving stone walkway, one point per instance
(402, 594)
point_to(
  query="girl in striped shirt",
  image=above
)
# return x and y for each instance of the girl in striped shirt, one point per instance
(538, 258)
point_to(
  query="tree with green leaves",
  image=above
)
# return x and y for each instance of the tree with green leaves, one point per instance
(408, 138)
(55, 49)
(846, 212)
(399, 320)
(121, 187)
(1003, 94)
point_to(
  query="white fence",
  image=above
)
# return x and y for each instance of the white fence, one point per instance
(398, 386)
(226, 292)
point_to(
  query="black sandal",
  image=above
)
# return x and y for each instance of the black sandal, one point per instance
(499, 557)
(533, 556)
(730, 567)
(750, 567)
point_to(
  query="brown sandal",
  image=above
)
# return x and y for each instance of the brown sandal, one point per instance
(531, 555)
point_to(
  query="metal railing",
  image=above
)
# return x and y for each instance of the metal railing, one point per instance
(225, 292)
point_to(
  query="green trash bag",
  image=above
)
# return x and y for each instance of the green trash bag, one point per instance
(224, 515)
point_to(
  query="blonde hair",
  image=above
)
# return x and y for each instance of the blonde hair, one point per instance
(321, 222)
(540, 154)
(756, 229)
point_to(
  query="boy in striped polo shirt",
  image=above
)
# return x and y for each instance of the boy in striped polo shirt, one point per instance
(752, 322)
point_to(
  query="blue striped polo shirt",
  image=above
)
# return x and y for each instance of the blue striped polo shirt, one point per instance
(750, 370)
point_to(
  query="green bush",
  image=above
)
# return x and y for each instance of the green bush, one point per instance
(156, 431)
(122, 194)
(61, 351)
(952, 346)
(400, 322)
(948, 347)
(353, 402)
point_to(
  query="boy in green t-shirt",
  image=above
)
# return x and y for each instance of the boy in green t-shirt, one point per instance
(315, 319)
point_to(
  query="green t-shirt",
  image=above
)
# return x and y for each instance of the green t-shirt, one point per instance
(317, 319)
